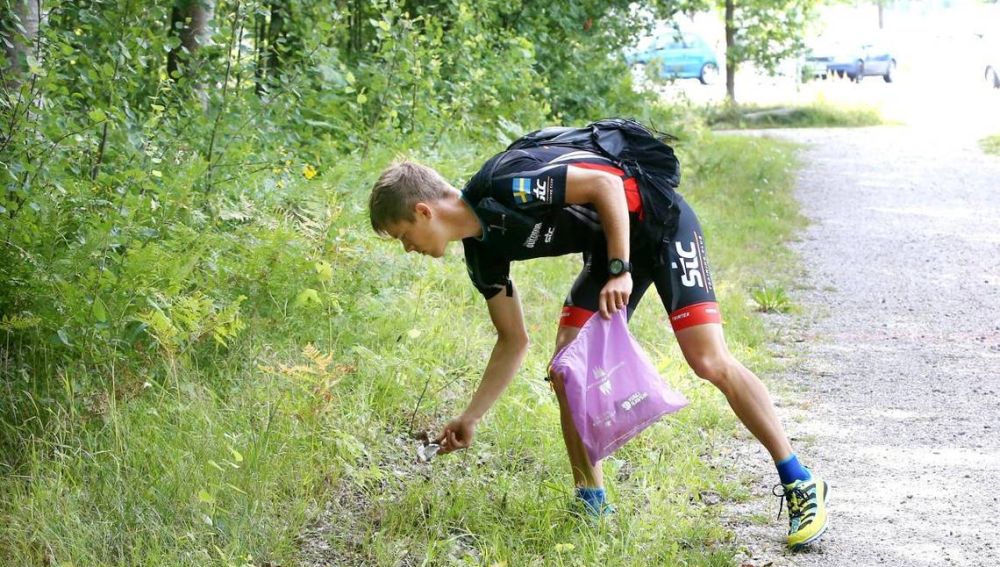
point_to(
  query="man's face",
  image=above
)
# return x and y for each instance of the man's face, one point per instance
(422, 234)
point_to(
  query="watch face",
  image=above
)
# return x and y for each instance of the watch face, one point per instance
(616, 267)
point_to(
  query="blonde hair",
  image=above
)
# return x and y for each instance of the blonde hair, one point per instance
(398, 190)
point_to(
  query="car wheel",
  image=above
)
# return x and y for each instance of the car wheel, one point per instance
(709, 74)
(859, 75)
(890, 72)
(992, 78)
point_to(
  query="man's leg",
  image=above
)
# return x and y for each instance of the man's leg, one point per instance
(684, 283)
(585, 474)
(705, 350)
(581, 305)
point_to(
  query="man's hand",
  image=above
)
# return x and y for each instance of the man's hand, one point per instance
(457, 434)
(615, 294)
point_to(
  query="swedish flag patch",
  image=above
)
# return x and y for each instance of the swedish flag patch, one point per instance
(522, 190)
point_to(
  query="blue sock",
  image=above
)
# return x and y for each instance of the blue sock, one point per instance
(593, 499)
(790, 470)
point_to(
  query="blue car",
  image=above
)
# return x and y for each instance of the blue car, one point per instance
(679, 56)
(855, 63)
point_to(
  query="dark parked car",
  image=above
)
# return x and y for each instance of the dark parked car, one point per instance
(855, 63)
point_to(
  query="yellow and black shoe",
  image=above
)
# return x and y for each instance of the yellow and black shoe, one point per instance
(806, 510)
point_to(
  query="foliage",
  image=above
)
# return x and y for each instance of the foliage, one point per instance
(761, 32)
(769, 32)
(991, 145)
(200, 338)
(771, 299)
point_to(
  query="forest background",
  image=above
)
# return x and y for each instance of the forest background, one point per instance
(206, 356)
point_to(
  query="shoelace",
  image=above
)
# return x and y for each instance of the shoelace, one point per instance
(796, 498)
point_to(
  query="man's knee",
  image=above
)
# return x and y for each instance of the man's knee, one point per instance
(557, 381)
(719, 369)
(564, 336)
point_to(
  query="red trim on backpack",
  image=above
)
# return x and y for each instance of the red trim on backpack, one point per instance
(574, 316)
(631, 185)
(697, 314)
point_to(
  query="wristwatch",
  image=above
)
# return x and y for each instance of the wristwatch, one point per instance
(617, 267)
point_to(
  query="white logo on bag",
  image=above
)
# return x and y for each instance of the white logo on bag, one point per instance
(549, 234)
(602, 378)
(634, 400)
(603, 420)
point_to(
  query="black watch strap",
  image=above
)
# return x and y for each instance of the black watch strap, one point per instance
(617, 266)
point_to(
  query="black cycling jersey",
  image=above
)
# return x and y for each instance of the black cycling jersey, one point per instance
(519, 197)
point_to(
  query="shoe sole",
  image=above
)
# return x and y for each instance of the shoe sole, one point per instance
(817, 535)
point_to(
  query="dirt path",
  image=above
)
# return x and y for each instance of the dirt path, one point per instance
(895, 366)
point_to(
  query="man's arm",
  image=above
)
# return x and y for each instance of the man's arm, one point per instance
(607, 194)
(508, 353)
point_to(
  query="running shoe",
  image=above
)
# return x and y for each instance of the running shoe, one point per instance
(806, 510)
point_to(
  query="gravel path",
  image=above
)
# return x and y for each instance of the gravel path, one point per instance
(894, 369)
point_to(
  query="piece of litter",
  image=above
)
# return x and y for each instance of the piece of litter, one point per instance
(427, 452)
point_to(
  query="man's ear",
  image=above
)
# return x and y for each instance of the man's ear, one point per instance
(423, 210)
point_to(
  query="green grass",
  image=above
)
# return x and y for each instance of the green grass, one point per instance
(815, 115)
(270, 451)
(771, 299)
(991, 145)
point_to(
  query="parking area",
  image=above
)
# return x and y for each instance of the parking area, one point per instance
(932, 92)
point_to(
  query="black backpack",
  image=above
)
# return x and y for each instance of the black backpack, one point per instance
(640, 152)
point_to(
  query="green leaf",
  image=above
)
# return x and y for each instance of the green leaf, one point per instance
(34, 66)
(97, 115)
(306, 297)
(204, 496)
(100, 311)
(324, 271)
(236, 455)
(63, 337)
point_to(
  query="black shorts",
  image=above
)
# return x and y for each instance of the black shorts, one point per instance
(677, 266)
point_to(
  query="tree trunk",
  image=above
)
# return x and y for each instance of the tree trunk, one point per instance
(356, 41)
(881, 14)
(275, 33)
(731, 62)
(18, 45)
(189, 20)
(260, 58)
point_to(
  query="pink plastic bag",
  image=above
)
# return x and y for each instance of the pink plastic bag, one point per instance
(612, 388)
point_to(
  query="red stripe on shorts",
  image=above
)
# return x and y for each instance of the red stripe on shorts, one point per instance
(697, 314)
(574, 316)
